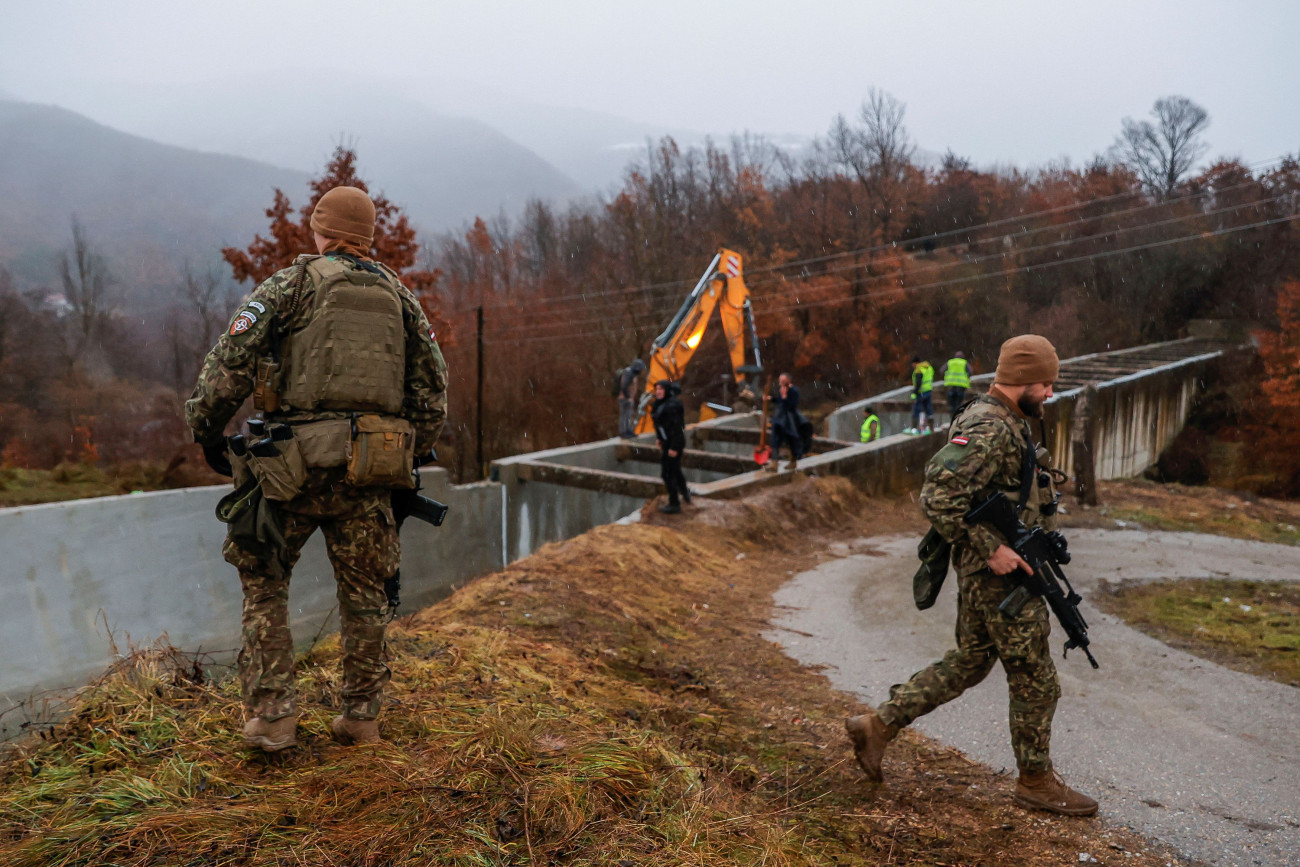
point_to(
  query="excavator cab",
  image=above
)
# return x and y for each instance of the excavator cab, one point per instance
(722, 286)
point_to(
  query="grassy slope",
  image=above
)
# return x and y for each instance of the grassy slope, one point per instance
(68, 481)
(1257, 630)
(609, 700)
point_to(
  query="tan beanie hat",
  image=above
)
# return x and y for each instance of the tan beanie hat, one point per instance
(1027, 359)
(345, 213)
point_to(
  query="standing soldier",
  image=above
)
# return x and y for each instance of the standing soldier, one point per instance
(986, 452)
(870, 425)
(922, 400)
(343, 365)
(956, 378)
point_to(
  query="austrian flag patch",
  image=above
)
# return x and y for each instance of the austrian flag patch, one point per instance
(960, 441)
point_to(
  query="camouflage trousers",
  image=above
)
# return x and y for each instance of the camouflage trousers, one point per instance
(985, 635)
(361, 540)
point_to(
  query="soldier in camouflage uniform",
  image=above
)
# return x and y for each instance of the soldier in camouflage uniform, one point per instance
(283, 320)
(985, 452)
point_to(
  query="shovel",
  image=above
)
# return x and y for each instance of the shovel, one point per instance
(763, 452)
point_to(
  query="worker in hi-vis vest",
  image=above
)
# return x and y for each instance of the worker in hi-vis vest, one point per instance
(870, 425)
(923, 405)
(956, 378)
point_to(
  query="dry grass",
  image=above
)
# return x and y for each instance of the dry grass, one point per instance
(608, 701)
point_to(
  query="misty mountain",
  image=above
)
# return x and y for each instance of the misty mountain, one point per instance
(442, 169)
(148, 207)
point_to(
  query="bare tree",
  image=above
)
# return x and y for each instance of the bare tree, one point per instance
(884, 136)
(1163, 153)
(86, 282)
(194, 325)
(210, 298)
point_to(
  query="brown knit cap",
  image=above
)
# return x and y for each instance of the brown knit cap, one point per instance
(1027, 359)
(345, 213)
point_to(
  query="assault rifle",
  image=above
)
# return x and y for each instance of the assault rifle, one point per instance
(410, 503)
(1044, 552)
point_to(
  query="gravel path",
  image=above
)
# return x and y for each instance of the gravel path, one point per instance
(1181, 749)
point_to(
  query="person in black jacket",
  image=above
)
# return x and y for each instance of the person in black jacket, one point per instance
(787, 423)
(670, 427)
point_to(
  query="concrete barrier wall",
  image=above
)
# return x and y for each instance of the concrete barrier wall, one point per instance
(534, 513)
(149, 565)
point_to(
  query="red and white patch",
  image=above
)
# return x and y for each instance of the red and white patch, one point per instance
(433, 336)
(960, 441)
(242, 323)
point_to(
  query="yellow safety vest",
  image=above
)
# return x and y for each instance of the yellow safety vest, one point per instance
(927, 376)
(867, 434)
(956, 374)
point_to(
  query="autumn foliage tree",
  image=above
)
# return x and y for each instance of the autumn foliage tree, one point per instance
(288, 236)
(1280, 353)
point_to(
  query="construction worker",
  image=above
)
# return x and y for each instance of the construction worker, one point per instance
(956, 378)
(922, 404)
(986, 451)
(362, 392)
(870, 425)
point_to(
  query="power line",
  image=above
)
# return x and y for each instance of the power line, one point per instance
(794, 291)
(596, 299)
(939, 284)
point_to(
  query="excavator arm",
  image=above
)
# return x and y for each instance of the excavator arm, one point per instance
(723, 287)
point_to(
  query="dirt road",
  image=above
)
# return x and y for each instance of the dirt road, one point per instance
(1181, 749)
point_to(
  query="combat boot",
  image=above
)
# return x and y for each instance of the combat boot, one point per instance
(671, 509)
(350, 732)
(271, 736)
(793, 465)
(1045, 790)
(870, 735)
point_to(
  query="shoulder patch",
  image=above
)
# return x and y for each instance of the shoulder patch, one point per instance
(960, 441)
(242, 323)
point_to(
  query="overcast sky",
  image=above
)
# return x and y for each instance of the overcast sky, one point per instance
(1009, 82)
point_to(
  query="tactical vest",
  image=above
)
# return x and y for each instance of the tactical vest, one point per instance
(1030, 510)
(866, 436)
(347, 352)
(927, 377)
(956, 374)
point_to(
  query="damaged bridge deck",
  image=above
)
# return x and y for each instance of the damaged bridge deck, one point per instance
(1139, 400)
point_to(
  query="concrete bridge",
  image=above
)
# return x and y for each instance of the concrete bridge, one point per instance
(145, 566)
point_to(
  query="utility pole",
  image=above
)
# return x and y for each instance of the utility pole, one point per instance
(478, 414)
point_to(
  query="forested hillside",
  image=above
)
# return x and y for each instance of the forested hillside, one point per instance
(857, 258)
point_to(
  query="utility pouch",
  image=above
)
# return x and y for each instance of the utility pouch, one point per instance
(381, 452)
(278, 465)
(935, 552)
(266, 388)
(241, 472)
(324, 443)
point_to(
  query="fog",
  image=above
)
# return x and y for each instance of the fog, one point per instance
(1010, 82)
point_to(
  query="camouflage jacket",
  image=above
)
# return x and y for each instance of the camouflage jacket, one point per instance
(230, 368)
(985, 451)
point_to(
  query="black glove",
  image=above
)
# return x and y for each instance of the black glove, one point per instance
(215, 455)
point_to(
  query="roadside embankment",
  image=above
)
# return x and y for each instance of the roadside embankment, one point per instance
(609, 700)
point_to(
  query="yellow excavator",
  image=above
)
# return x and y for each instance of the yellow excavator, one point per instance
(723, 287)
